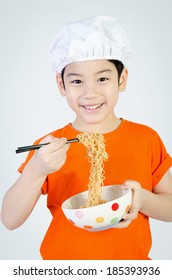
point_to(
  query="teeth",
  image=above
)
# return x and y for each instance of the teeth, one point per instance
(92, 106)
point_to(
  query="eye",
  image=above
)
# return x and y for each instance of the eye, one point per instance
(103, 79)
(76, 82)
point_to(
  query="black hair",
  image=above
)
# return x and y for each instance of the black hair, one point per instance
(62, 75)
(118, 64)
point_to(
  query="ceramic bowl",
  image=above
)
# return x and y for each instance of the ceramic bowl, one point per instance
(100, 217)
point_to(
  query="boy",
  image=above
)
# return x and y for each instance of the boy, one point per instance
(88, 57)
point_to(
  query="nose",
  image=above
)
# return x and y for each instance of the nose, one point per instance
(90, 91)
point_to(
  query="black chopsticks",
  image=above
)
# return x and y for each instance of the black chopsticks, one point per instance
(35, 147)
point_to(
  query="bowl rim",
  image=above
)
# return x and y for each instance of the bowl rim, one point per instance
(127, 190)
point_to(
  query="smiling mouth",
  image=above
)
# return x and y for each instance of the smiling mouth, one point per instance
(92, 107)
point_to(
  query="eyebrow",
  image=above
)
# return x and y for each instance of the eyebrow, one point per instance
(99, 72)
(73, 74)
(104, 70)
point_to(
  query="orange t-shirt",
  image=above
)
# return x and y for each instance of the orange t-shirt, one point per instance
(136, 152)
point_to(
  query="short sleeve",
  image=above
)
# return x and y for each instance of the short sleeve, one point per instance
(22, 166)
(161, 160)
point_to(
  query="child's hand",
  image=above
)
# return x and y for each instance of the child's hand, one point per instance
(51, 157)
(136, 204)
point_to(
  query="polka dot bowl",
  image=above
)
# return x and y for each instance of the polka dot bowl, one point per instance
(100, 217)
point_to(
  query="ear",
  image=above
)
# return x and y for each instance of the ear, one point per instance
(123, 80)
(60, 84)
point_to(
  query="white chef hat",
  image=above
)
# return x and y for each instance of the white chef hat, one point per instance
(99, 37)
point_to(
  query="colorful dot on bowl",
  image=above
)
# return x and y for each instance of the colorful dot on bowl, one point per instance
(87, 227)
(99, 220)
(115, 206)
(79, 214)
(114, 220)
(127, 209)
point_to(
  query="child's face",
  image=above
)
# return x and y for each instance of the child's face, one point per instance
(92, 90)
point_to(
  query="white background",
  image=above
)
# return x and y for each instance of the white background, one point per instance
(31, 105)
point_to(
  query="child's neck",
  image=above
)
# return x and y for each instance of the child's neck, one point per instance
(97, 127)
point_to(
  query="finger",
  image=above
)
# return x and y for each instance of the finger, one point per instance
(57, 144)
(135, 187)
(133, 213)
(132, 184)
(54, 144)
(123, 224)
(130, 216)
(59, 153)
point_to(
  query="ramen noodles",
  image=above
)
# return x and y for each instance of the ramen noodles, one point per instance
(95, 144)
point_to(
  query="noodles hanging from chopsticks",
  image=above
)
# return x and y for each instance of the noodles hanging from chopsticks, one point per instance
(95, 144)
